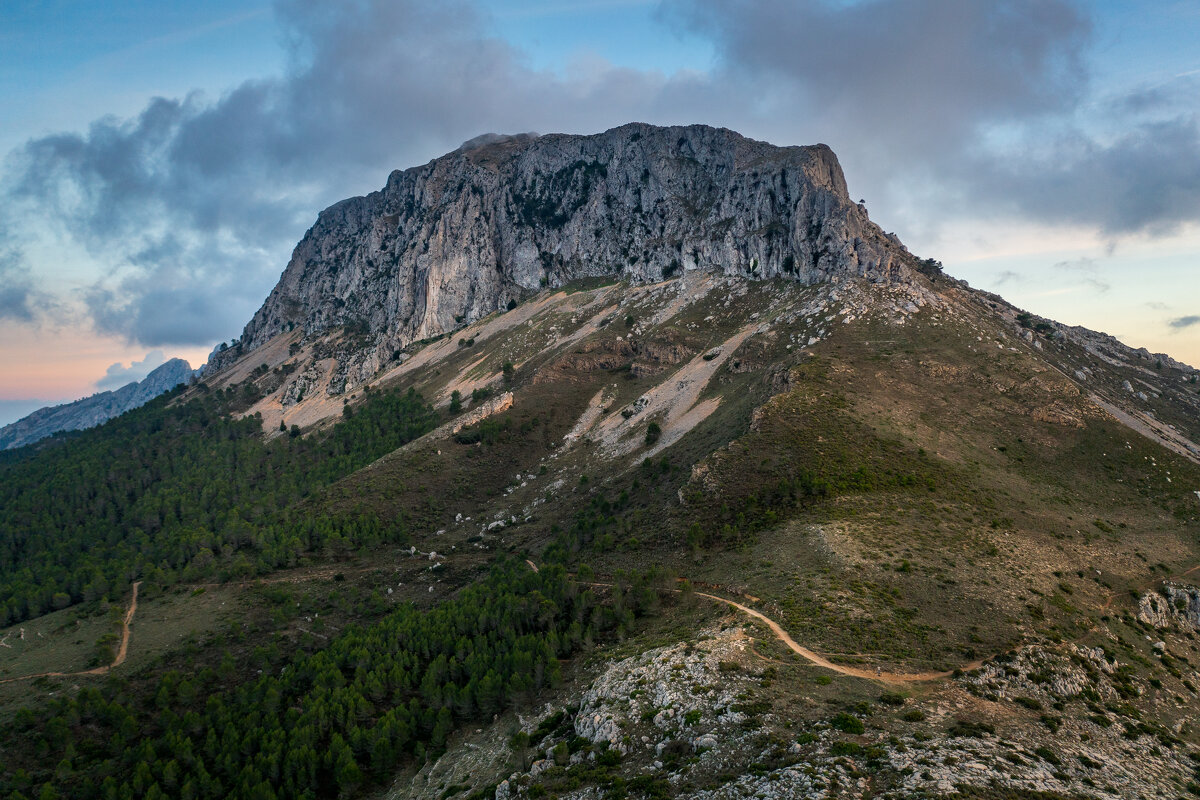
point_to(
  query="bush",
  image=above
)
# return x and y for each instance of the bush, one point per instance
(1048, 755)
(848, 723)
(846, 749)
(964, 727)
(653, 433)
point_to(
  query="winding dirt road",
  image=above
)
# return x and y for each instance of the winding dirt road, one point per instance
(817, 658)
(821, 661)
(122, 650)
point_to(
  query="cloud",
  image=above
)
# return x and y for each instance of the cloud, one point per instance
(1145, 181)
(1081, 264)
(192, 205)
(1089, 269)
(1008, 276)
(16, 289)
(1179, 323)
(117, 375)
(979, 101)
(912, 76)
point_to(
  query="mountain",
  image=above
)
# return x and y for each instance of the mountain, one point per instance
(503, 217)
(96, 409)
(847, 529)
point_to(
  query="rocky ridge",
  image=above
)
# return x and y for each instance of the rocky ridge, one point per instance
(96, 409)
(690, 717)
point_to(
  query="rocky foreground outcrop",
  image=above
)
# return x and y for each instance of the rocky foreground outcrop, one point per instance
(501, 217)
(94, 410)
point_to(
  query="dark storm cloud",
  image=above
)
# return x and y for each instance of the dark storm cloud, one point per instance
(909, 76)
(1145, 181)
(196, 202)
(1179, 323)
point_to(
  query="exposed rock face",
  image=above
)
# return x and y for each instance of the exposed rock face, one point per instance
(1172, 605)
(94, 410)
(501, 217)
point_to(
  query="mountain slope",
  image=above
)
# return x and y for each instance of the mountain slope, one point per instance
(852, 534)
(96, 409)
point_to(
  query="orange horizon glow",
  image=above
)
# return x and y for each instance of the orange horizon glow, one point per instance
(58, 365)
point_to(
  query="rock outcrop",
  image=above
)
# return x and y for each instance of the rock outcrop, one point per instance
(501, 217)
(97, 409)
(1173, 605)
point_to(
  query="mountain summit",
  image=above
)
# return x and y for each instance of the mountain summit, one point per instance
(504, 216)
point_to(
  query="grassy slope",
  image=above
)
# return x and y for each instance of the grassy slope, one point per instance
(974, 499)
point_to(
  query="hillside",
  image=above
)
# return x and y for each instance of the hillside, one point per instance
(724, 534)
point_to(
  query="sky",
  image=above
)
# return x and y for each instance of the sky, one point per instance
(159, 159)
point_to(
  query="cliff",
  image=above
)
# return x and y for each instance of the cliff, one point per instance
(501, 217)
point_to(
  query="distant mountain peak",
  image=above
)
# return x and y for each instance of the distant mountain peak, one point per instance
(96, 409)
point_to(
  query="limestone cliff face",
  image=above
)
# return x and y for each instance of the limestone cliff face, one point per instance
(502, 217)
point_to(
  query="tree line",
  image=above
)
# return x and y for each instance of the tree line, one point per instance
(325, 724)
(183, 491)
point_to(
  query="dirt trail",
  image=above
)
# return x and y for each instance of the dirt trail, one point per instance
(817, 658)
(1111, 596)
(122, 650)
(821, 661)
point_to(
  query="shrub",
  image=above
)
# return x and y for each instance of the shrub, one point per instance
(963, 727)
(653, 433)
(1048, 755)
(848, 723)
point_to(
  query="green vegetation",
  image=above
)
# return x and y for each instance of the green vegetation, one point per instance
(847, 723)
(319, 725)
(182, 491)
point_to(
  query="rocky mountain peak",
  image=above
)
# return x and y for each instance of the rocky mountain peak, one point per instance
(470, 233)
